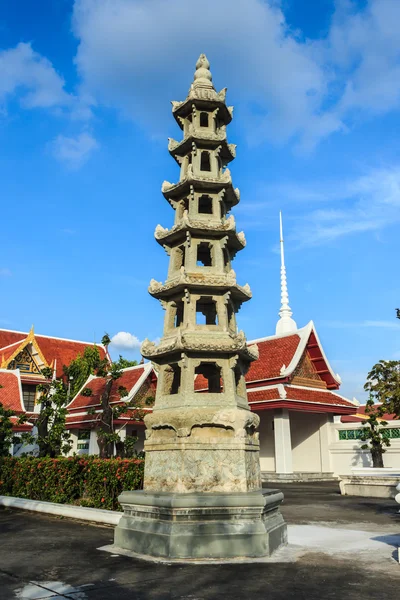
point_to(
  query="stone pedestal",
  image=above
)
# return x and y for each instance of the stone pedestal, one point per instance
(201, 526)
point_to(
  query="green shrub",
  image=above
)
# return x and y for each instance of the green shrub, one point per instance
(80, 480)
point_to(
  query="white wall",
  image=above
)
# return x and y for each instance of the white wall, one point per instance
(347, 454)
(304, 430)
(267, 444)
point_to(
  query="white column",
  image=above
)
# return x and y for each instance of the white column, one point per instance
(283, 441)
(74, 439)
(324, 441)
(93, 445)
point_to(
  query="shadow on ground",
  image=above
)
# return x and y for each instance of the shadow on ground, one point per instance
(39, 548)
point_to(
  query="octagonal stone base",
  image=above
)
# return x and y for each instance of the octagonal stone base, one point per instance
(196, 526)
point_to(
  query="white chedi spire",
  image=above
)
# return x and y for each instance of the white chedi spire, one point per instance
(285, 324)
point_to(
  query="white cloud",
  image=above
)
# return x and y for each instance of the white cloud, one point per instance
(367, 323)
(133, 54)
(74, 151)
(33, 80)
(364, 45)
(330, 209)
(369, 202)
(125, 341)
(4, 272)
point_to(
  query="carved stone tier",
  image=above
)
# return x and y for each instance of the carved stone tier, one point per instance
(195, 341)
(200, 281)
(236, 240)
(174, 191)
(199, 100)
(204, 450)
(208, 140)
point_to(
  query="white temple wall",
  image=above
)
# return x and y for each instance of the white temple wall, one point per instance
(305, 434)
(347, 454)
(267, 445)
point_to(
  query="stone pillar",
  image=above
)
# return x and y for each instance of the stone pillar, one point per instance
(202, 495)
(283, 441)
(324, 441)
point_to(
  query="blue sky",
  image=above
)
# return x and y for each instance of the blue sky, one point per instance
(85, 90)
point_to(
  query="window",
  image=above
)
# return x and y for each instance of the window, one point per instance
(392, 432)
(350, 434)
(356, 434)
(29, 395)
(205, 164)
(206, 311)
(205, 205)
(83, 439)
(204, 258)
(203, 119)
(211, 373)
(172, 379)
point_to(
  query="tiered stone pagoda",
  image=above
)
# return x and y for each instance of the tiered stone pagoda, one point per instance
(202, 494)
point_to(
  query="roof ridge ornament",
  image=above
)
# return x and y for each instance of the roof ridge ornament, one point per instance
(285, 324)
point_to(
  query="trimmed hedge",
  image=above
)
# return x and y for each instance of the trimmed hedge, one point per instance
(80, 480)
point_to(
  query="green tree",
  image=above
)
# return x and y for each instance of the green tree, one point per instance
(107, 434)
(52, 438)
(124, 363)
(374, 434)
(7, 436)
(383, 385)
(79, 369)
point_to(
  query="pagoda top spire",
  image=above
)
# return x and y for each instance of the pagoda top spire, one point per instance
(202, 76)
(285, 324)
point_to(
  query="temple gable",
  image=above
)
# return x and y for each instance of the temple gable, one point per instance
(26, 361)
(306, 374)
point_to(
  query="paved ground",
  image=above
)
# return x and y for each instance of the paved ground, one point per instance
(50, 557)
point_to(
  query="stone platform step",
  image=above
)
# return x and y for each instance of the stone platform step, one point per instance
(270, 477)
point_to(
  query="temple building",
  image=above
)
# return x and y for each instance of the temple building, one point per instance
(24, 355)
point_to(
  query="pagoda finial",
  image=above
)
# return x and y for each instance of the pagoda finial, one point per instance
(202, 76)
(285, 324)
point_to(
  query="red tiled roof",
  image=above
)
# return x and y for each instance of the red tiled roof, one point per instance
(359, 415)
(86, 420)
(274, 353)
(27, 426)
(259, 395)
(8, 351)
(298, 394)
(10, 392)
(61, 350)
(129, 378)
(89, 420)
(200, 382)
(319, 396)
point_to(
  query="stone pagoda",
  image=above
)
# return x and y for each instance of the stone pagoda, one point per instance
(202, 495)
